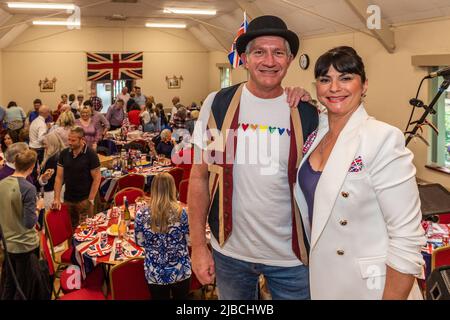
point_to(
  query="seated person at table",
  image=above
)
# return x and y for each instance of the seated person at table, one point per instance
(166, 144)
(162, 229)
(18, 218)
(152, 125)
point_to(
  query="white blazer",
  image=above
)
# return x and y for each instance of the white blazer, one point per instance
(365, 219)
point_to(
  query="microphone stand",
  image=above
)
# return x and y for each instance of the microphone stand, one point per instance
(428, 109)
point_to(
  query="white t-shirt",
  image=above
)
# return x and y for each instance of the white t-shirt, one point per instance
(173, 111)
(262, 218)
(145, 115)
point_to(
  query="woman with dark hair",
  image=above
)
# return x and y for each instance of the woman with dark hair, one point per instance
(8, 139)
(72, 98)
(357, 193)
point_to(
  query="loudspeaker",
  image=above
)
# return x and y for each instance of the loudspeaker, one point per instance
(434, 200)
(438, 284)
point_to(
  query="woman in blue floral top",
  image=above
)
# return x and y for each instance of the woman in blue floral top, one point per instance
(162, 229)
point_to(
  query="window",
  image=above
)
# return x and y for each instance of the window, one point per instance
(440, 151)
(225, 76)
(446, 125)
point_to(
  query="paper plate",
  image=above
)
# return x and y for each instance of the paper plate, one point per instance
(99, 249)
(85, 235)
(109, 232)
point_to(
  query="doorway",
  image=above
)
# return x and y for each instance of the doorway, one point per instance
(109, 89)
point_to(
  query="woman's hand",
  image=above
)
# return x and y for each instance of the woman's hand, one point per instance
(295, 95)
(56, 205)
(47, 175)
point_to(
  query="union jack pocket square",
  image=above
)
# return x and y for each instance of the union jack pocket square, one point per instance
(309, 141)
(357, 165)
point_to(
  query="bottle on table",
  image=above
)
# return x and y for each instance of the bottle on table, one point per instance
(122, 226)
(126, 211)
(130, 162)
(123, 161)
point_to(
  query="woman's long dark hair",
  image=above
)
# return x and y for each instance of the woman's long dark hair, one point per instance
(13, 134)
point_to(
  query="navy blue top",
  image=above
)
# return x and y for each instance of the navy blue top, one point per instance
(165, 148)
(307, 180)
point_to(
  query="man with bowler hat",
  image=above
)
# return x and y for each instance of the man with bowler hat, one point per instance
(250, 145)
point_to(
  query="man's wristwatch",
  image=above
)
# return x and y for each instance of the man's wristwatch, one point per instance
(91, 201)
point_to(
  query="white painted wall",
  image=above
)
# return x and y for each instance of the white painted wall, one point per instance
(1, 80)
(48, 52)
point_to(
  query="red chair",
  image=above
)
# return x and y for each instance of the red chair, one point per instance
(440, 257)
(184, 185)
(84, 294)
(131, 180)
(128, 281)
(185, 160)
(444, 218)
(58, 229)
(131, 193)
(51, 268)
(177, 174)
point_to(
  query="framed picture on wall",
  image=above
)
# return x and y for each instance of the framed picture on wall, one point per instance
(47, 85)
(174, 82)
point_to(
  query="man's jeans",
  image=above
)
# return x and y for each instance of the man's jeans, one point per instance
(238, 280)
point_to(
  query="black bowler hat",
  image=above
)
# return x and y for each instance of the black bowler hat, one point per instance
(267, 26)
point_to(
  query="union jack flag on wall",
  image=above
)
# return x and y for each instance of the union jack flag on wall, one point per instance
(114, 66)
